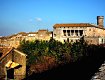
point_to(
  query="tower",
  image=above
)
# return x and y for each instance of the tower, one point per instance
(100, 21)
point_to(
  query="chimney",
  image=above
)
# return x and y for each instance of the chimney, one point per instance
(100, 21)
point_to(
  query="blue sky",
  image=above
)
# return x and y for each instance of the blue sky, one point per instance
(32, 15)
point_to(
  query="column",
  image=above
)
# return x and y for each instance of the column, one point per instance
(78, 33)
(74, 33)
(70, 32)
(83, 32)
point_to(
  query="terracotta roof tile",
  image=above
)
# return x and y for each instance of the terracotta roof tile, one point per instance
(74, 25)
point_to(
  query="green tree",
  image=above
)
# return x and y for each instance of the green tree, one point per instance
(79, 49)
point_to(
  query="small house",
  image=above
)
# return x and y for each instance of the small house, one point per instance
(12, 64)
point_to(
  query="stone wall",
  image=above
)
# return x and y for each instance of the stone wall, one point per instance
(100, 75)
(20, 58)
(16, 57)
(3, 62)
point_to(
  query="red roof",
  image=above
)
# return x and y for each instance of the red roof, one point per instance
(74, 25)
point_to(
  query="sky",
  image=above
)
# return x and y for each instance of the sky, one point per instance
(32, 15)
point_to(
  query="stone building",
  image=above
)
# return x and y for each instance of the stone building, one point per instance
(12, 64)
(93, 34)
(15, 39)
(71, 32)
(44, 35)
(40, 35)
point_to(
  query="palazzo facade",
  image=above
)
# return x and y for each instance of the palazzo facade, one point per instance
(72, 32)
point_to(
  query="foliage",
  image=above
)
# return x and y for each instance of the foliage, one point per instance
(36, 49)
(79, 49)
(45, 54)
(61, 51)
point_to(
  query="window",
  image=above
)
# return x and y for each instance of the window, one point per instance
(102, 41)
(76, 32)
(64, 32)
(81, 32)
(71, 40)
(67, 39)
(77, 40)
(72, 32)
(10, 73)
(68, 32)
(64, 40)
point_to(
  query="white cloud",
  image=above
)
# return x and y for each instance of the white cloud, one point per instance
(38, 19)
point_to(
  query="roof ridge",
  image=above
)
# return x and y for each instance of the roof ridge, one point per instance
(74, 25)
(6, 52)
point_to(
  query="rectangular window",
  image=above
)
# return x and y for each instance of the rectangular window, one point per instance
(76, 32)
(102, 41)
(81, 32)
(72, 32)
(64, 32)
(67, 39)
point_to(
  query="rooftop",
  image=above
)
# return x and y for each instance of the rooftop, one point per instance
(4, 51)
(74, 25)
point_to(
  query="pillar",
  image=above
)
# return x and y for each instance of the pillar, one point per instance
(78, 33)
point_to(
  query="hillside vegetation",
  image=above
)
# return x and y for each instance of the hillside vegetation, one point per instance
(47, 55)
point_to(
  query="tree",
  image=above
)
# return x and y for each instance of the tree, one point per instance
(79, 49)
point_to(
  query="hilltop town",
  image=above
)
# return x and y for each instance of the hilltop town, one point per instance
(15, 39)
(70, 32)
(44, 50)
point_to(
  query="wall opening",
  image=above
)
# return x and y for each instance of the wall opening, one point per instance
(10, 73)
(67, 39)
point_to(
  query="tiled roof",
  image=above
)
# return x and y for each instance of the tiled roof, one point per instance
(23, 33)
(32, 33)
(42, 30)
(5, 51)
(74, 25)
